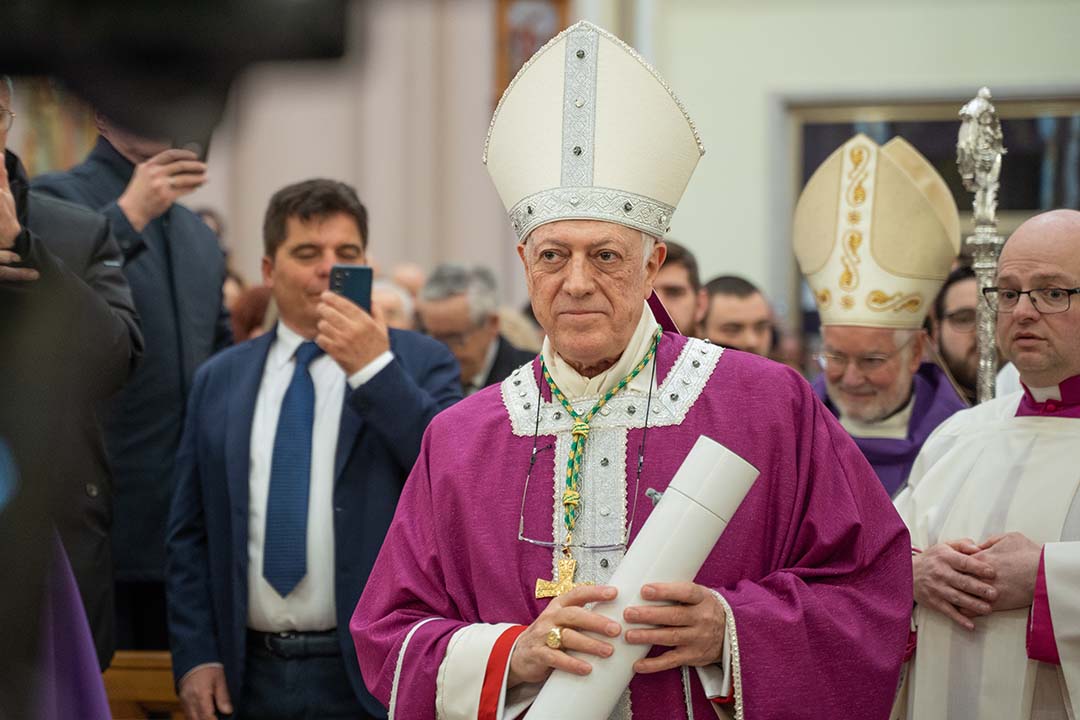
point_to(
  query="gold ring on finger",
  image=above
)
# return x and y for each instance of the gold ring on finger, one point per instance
(554, 638)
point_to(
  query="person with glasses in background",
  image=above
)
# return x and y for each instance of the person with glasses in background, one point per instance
(527, 494)
(994, 507)
(459, 307)
(954, 329)
(876, 231)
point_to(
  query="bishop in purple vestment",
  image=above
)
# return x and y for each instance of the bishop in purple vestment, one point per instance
(526, 495)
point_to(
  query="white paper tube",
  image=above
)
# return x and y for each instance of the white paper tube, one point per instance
(671, 547)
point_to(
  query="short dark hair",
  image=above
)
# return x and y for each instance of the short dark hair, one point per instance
(318, 198)
(731, 285)
(678, 254)
(964, 272)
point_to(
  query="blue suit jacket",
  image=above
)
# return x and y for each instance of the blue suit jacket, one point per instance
(382, 423)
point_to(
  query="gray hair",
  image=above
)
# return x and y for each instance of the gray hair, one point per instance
(477, 284)
(402, 294)
(6, 85)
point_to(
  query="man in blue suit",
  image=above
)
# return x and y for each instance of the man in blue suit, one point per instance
(295, 449)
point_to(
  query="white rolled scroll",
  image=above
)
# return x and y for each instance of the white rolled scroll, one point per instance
(671, 547)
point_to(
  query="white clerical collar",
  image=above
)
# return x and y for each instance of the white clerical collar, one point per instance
(576, 386)
(894, 427)
(1041, 395)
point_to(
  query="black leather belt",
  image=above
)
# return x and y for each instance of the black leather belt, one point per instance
(293, 644)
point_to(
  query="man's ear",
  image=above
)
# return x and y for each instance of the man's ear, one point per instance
(653, 265)
(918, 350)
(268, 271)
(522, 251)
(701, 306)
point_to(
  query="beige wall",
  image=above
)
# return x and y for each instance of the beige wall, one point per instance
(736, 63)
(404, 115)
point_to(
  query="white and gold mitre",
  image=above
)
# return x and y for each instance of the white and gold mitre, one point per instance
(876, 232)
(587, 130)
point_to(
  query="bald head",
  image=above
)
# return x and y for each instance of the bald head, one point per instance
(1051, 236)
(1044, 252)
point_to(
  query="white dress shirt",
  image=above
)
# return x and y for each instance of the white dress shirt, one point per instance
(310, 606)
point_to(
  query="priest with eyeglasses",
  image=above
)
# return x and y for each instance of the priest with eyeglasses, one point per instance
(994, 509)
(876, 232)
(527, 495)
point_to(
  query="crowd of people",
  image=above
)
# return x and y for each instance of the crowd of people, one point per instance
(327, 511)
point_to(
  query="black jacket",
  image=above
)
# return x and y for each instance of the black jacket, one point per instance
(508, 358)
(83, 289)
(175, 269)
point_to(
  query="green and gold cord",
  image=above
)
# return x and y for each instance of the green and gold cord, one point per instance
(571, 498)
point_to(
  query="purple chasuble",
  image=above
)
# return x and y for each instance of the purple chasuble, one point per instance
(815, 565)
(69, 678)
(935, 401)
(1066, 405)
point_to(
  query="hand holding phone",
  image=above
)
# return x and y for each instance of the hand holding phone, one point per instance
(350, 330)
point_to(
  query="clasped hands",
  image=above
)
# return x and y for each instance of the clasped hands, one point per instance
(693, 627)
(962, 579)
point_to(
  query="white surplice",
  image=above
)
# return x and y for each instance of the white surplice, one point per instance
(984, 472)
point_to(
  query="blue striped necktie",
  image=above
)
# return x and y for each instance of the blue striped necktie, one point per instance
(285, 539)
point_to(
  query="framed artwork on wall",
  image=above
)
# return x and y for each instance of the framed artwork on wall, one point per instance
(523, 26)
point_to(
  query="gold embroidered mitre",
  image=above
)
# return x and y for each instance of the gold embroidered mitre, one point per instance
(587, 130)
(876, 232)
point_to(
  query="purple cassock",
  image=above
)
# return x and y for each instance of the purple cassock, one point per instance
(815, 565)
(69, 678)
(935, 401)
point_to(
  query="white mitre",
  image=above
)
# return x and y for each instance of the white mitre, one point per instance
(587, 130)
(876, 232)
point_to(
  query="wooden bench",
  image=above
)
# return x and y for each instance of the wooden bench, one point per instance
(139, 683)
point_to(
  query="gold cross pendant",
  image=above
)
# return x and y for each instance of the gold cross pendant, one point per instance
(562, 584)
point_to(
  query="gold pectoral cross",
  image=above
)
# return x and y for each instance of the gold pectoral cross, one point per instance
(562, 584)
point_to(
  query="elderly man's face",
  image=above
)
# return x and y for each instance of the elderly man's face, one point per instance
(587, 282)
(868, 375)
(1043, 252)
(450, 322)
(685, 305)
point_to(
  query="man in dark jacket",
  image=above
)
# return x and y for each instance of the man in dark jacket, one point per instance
(175, 268)
(60, 263)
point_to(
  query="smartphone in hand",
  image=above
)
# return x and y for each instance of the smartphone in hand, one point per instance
(352, 282)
